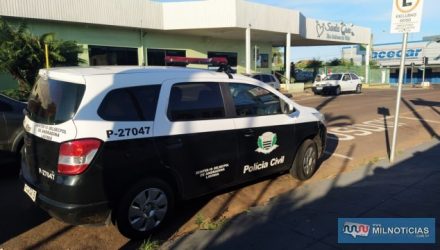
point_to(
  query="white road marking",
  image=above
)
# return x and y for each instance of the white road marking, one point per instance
(417, 119)
(338, 155)
(367, 128)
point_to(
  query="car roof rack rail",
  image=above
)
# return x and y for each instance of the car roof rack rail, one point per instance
(227, 69)
(220, 62)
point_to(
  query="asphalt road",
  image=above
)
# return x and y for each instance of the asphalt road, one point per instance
(360, 127)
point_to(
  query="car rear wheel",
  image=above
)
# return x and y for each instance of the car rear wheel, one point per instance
(144, 208)
(304, 165)
(358, 89)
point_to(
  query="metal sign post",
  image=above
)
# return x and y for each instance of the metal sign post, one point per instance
(399, 96)
(405, 18)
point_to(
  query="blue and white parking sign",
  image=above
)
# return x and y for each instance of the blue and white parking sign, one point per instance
(386, 230)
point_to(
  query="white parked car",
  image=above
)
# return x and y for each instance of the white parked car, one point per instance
(337, 83)
(266, 78)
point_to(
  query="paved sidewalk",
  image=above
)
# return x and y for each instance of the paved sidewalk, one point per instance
(306, 218)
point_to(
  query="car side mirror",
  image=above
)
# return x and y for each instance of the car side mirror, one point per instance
(288, 109)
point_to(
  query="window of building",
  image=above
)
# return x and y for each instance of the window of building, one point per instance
(263, 61)
(130, 104)
(195, 101)
(231, 56)
(104, 55)
(156, 57)
(251, 100)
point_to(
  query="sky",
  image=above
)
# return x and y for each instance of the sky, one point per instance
(374, 14)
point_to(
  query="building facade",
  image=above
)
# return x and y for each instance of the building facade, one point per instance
(422, 60)
(143, 32)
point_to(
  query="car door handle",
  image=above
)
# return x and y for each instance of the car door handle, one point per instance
(249, 133)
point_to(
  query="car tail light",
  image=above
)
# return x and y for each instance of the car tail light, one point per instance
(75, 156)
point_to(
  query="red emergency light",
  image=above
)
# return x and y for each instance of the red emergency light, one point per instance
(214, 61)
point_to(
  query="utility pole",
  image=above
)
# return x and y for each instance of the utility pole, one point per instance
(46, 55)
(425, 62)
(412, 74)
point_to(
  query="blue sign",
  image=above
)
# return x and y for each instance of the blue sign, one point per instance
(386, 230)
(392, 54)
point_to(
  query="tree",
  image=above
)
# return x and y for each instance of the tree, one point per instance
(334, 62)
(22, 53)
(314, 64)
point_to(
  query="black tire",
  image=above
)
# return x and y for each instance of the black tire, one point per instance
(161, 190)
(358, 89)
(338, 91)
(299, 169)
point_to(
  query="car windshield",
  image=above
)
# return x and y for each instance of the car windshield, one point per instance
(334, 77)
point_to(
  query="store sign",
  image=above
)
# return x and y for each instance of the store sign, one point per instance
(406, 16)
(394, 54)
(334, 31)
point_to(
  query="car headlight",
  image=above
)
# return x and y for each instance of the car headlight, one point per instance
(319, 116)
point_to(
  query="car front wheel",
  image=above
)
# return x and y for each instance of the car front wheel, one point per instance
(338, 91)
(144, 208)
(305, 163)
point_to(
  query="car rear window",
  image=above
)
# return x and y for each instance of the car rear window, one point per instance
(130, 104)
(53, 102)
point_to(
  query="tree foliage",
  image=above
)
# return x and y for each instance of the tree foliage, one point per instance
(22, 53)
(334, 62)
(314, 64)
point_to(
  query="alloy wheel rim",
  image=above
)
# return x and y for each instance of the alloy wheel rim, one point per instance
(148, 209)
(309, 161)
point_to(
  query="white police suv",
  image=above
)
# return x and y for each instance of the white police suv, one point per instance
(127, 142)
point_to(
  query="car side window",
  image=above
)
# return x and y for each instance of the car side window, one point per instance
(250, 100)
(273, 79)
(354, 77)
(258, 77)
(195, 101)
(130, 104)
(266, 78)
(346, 77)
(4, 107)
